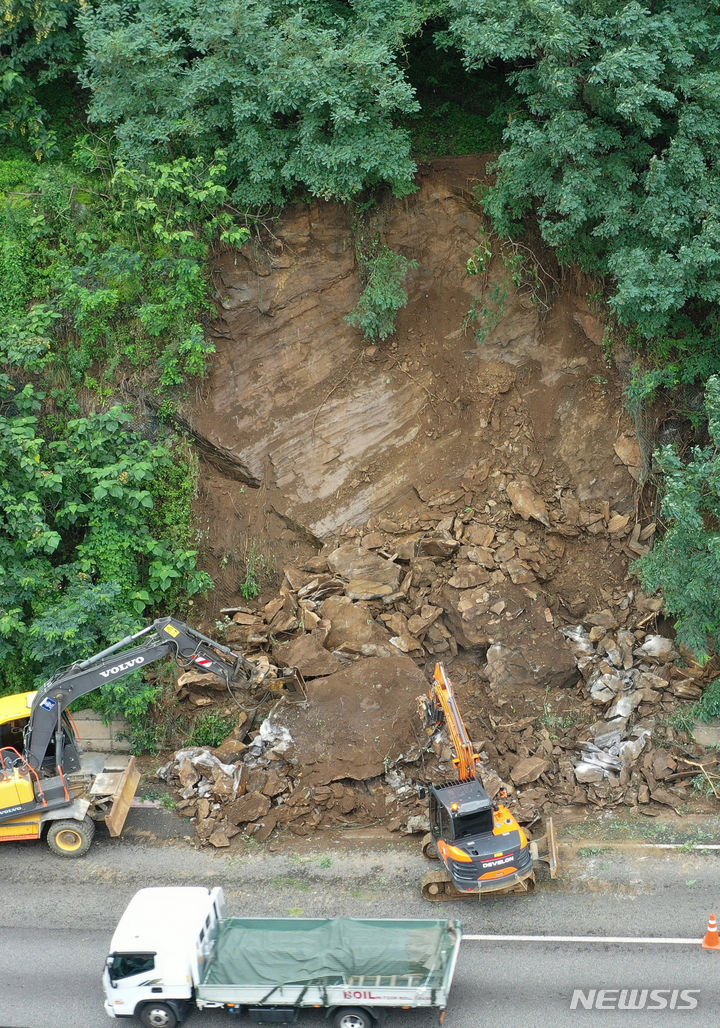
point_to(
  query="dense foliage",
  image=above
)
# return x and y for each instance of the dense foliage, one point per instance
(611, 135)
(39, 44)
(614, 144)
(103, 279)
(115, 258)
(299, 95)
(85, 548)
(607, 119)
(685, 562)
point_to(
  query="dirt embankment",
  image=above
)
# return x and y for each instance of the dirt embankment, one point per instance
(467, 492)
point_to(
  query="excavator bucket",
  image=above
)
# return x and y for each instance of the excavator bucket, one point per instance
(545, 849)
(119, 787)
(288, 679)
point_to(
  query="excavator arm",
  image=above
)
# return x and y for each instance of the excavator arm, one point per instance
(165, 637)
(440, 707)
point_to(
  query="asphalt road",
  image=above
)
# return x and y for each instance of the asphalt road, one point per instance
(56, 919)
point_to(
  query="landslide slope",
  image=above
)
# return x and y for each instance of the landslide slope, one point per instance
(468, 491)
(337, 432)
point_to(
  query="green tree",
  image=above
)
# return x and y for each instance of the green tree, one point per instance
(685, 563)
(80, 555)
(614, 144)
(39, 44)
(298, 95)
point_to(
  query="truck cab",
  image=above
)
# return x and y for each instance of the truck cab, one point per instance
(158, 953)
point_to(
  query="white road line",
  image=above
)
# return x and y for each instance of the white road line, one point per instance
(583, 938)
(678, 846)
(610, 845)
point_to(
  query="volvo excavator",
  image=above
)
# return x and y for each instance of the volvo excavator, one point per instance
(46, 788)
(483, 848)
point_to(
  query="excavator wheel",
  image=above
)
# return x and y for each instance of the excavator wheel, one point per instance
(70, 838)
(429, 847)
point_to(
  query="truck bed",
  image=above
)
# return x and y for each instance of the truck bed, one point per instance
(306, 962)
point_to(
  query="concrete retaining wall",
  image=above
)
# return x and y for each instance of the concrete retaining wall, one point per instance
(96, 737)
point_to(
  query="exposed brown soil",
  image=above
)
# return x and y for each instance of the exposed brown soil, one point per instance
(515, 453)
(338, 432)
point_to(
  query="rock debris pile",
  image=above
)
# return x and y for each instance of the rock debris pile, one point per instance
(563, 681)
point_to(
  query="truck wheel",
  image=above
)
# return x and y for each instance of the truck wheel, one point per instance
(71, 838)
(158, 1015)
(352, 1017)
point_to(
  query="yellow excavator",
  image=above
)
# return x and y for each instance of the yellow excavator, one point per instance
(46, 787)
(483, 848)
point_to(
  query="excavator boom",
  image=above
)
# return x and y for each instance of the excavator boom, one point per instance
(440, 707)
(165, 637)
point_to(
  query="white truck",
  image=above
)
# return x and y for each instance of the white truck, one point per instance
(174, 950)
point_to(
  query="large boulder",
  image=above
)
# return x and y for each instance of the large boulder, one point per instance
(476, 615)
(353, 629)
(308, 655)
(540, 661)
(358, 721)
(368, 574)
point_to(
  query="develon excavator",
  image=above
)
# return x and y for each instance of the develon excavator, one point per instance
(482, 846)
(45, 787)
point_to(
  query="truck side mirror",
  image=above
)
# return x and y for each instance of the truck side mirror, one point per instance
(108, 965)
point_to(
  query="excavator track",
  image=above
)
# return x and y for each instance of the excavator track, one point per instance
(438, 886)
(429, 847)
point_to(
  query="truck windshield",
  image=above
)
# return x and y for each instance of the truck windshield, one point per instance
(125, 965)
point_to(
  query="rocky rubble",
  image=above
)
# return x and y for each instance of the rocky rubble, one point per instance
(567, 692)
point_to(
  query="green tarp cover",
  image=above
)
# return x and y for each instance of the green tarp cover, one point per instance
(265, 952)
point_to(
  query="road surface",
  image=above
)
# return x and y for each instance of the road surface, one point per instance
(57, 916)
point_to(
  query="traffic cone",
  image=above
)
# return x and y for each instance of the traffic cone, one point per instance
(712, 939)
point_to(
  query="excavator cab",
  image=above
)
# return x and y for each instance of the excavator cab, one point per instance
(460, 810)
(15, 714)
(483, 847)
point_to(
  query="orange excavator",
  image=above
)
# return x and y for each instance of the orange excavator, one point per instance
(483, 848)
